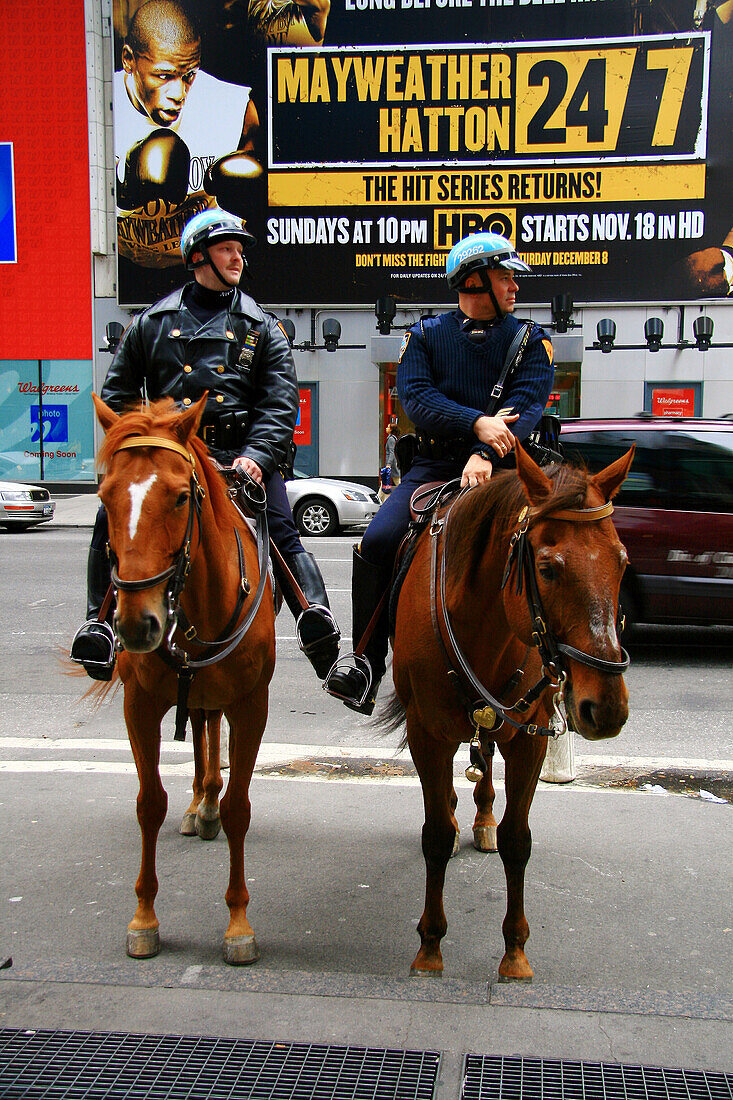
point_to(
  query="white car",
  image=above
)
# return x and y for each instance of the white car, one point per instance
(323, 505)
(24, 506)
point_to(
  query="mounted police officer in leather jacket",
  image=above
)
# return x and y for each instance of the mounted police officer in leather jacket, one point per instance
(209, 335)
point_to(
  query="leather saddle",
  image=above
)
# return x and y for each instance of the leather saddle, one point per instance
(424, 502)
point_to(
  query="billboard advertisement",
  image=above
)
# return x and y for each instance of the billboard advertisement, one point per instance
(361, 139)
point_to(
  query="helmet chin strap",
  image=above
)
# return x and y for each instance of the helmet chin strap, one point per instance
(215, 269)
(485, 288)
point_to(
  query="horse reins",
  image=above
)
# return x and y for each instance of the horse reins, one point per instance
(177, 574)
(482, 705)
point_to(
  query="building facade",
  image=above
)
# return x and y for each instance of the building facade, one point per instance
(408, 148)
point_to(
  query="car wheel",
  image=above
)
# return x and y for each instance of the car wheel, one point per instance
(19, 526)
(316, 517)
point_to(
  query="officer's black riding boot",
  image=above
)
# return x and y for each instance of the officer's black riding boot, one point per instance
(94, 644)
(318, 633)
(355, 680)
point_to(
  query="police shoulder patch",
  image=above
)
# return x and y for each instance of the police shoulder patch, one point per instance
(548, 348)
(403, 348)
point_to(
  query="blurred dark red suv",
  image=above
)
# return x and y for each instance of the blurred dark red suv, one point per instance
(674, 513)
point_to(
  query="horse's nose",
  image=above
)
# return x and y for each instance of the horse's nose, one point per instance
(601, 719)
(141, 634)
(588, 713)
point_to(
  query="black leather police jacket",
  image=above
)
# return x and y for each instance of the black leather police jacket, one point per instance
(241, 356)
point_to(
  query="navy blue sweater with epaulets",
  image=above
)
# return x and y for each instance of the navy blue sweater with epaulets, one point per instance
(444, 379)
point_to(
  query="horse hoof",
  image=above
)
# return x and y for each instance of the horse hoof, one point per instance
(143, 943)
(418, 972)
(515, 967)
(456, 843)
(241, 950)
(208, 828)
(188, 825)
(484, 838)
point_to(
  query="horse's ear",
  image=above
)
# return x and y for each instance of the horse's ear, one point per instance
(537, 485)
(105, 415)
(188, 425)
(609, 481)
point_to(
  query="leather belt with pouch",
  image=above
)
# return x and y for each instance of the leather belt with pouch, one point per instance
(228, 432)
(441, 449)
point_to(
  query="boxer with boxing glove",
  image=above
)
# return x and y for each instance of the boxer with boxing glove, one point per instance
(155, 168)
(173, 120)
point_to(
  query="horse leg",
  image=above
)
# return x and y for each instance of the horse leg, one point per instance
(143, 715)
(198, 734)
(484, 825)
(454, 819)
(240, 946)
(208, 820)
(434, 762)
(523, 758)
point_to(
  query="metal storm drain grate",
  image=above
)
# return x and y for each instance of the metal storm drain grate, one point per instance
(78, 1065)
(486, 1078)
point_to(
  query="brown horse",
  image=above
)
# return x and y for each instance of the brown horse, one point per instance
(183, 559)
(512, 595)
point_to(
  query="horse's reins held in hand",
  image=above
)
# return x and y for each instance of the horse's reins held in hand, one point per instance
(551, 651)
(171, 653)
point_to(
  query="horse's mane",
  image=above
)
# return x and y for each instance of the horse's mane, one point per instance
(492, 509)
(164, 417)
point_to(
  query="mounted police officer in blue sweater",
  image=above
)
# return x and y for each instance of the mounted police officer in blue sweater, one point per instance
(210, 336)
(447, 369)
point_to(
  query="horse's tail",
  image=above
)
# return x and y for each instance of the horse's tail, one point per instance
(391, 716)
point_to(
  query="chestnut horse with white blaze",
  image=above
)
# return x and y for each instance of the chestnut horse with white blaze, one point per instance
(509, 605)
(183, 558)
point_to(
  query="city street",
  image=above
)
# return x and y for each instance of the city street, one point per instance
(628, 887)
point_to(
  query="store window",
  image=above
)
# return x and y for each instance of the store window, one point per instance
(46, 420)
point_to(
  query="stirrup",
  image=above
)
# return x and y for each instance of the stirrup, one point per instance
(351, 663)
(99, 668)
(321, 617)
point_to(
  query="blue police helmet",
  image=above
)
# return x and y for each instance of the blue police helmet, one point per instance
(208, 227)
(477, 251)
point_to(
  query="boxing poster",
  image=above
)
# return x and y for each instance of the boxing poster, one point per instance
(361, 139)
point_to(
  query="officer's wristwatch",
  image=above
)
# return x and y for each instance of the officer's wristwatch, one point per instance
(486, 455)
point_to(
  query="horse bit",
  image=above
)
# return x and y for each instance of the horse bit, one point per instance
(484, 710)
(177, 574)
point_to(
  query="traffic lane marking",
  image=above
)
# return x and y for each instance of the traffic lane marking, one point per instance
(324, 763)
(583, 784)
(280, 752)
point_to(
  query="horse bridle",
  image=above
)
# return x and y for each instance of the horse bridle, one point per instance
(483, 708)
(178, 572)
(551, 651)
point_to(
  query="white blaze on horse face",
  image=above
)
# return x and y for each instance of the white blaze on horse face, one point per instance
(137, 496)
